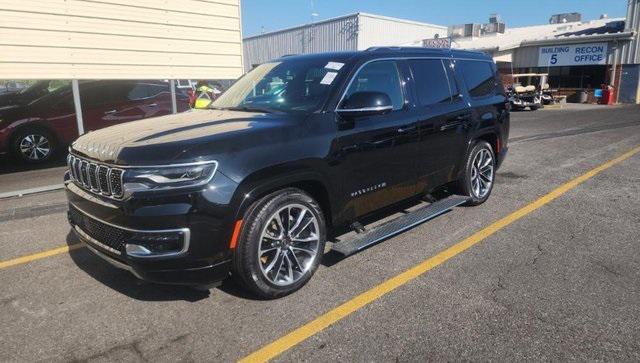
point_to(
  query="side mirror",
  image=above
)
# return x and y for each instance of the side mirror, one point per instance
(365, 104)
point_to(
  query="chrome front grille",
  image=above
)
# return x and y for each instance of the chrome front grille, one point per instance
(95, 177)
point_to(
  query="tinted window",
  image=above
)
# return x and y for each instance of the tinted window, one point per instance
(145, 90)
(139, 91)
(432, 83)
(382, 76)
(479, 77)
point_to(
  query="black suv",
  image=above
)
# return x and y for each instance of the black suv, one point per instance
(295, 150)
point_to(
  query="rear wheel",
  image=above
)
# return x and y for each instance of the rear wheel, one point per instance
(281, 244)
(33, 145)
(479, 174)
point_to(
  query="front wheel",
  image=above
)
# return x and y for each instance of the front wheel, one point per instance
(281, 245)
(33, 146)
(479, 174)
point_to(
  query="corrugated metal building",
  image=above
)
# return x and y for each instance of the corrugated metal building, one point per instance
(142, 39)
(350, 32)
(630, 56)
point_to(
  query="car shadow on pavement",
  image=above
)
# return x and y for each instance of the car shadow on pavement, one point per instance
(332, 257)
(125, 283)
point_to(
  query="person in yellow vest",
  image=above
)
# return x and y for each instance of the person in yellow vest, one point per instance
(204, 95)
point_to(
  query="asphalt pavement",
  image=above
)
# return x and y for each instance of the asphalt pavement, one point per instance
(561, 282)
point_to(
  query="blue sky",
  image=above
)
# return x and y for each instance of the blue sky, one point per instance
(278, 14)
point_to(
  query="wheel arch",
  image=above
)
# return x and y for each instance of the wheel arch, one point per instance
(16, 129)
(32, 125)
(492, 138)
(257, 186)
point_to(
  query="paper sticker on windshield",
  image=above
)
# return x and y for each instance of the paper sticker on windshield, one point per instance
(328, 78)
(334, 65)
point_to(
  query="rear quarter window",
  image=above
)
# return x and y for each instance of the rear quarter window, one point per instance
(479, 77)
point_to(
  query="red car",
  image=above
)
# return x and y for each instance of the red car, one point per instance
(33, 132)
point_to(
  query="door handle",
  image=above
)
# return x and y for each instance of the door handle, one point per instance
(463, 117)
(405, 129)
(110, 112)
(450, 125)
(153, 105)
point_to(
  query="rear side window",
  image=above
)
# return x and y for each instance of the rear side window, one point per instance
(145, 90)
(479, 77)
(432, 83)
(380, 76)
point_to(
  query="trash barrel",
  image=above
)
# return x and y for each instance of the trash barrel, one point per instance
(582, 96)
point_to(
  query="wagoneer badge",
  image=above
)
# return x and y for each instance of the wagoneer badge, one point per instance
(368, 189)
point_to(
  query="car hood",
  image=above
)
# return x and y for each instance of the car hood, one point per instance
(191, 136)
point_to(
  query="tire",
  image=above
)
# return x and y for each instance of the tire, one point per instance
(273, 258)
(467, 184)
(33, 145)
(534, 108)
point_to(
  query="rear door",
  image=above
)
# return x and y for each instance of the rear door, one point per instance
(443, 119)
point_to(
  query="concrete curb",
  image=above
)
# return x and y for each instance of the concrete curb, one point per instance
(23, 192)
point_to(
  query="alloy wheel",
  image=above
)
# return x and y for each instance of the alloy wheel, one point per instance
(35, 147)
(482, 173)
(289, 244)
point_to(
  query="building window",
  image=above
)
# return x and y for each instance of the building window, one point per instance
(575, 76)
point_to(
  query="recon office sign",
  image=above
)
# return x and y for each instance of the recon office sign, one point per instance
(573, 55)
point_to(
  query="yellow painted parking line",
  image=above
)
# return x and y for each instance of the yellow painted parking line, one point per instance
(40, 255)
(327, 319)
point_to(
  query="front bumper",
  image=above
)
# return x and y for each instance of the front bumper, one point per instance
(184, 237)
(525, 101)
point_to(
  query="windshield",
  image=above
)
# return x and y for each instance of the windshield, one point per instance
(290, 85)
(43, 88)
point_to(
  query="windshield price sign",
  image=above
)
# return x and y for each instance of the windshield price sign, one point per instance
(573, 55)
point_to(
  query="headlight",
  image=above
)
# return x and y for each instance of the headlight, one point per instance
(169, 177)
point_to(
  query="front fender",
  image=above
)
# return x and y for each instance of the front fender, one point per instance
(267, 180)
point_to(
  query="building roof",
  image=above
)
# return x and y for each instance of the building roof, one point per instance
(516, 37)
(297, 27)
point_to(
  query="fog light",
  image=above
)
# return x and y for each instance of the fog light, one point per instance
(136, 250)
(149, 245)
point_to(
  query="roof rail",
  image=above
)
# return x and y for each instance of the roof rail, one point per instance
(413, 49)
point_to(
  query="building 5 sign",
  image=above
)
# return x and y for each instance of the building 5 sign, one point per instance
(573, 55)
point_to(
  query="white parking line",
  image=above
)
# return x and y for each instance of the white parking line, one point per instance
(23, 192)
